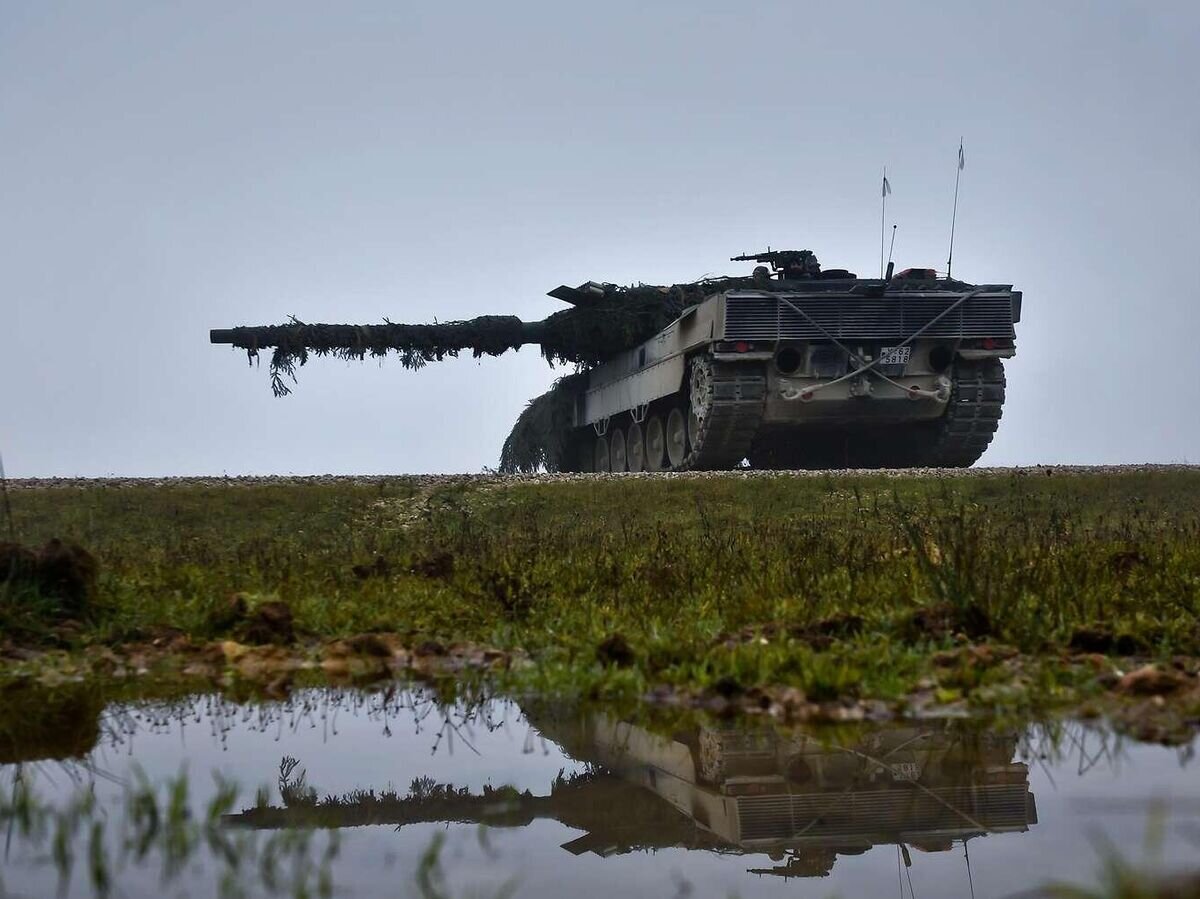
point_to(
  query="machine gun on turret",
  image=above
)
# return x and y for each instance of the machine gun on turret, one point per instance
(787, 265)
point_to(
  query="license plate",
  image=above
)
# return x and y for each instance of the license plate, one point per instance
(910, 771)
(895, 355)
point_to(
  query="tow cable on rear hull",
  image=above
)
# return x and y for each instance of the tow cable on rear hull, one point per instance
(942, 394)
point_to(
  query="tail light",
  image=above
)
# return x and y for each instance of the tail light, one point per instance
(736, 346)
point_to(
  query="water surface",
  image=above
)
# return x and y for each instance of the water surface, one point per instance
(543, 799)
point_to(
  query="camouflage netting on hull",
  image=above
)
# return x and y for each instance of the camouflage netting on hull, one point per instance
(538, 439)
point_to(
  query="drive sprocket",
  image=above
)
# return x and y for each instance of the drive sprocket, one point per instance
(724, 409)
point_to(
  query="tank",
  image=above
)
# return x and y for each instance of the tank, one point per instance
(803, 801)
(791, 366)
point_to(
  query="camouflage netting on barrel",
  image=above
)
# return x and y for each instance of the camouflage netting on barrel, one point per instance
(538, 439)
(414, 344)
(611, 319)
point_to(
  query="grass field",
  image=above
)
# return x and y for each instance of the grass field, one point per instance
(845, 587)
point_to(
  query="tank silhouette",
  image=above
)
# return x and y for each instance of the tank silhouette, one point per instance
(790, 367)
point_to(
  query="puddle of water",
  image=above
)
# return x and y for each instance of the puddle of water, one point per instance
(426, 799)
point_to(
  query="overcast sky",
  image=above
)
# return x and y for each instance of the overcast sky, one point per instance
(166, 168)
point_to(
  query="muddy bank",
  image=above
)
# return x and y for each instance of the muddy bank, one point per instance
(1149, 700)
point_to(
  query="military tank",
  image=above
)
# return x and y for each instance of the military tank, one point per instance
(802, 801)
(789, 367)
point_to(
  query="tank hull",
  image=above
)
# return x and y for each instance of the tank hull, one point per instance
(777, 380)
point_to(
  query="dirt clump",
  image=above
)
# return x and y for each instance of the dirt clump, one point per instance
(266, 623)
(369, 645)
(270, 622)
(228, 615)
(944, 620)
(381, 567)
(727, 687)
(824, 633)
(438, 565)
(819, 635)
(1102, 640)
(1151, 680)
(615, 650)
(1123, 563)
(980, 655)
(62, 572)
(17, 563)
(430, 648)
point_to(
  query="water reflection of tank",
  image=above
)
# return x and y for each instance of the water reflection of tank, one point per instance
(801, 800)
(760, 790)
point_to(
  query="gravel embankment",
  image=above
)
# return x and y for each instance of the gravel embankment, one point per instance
(492, 478)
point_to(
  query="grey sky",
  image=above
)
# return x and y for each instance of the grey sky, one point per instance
(167, 167)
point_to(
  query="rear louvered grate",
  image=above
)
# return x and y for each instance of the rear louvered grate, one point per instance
(875, 318)
(810, 815)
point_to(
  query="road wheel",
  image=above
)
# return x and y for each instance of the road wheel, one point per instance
(616, 449)
(601, 454)
(676, 437)
(656, 444)
(635, 448)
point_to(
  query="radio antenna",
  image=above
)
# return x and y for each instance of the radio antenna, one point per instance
(954, 215)
(887, 189)
(893, 245)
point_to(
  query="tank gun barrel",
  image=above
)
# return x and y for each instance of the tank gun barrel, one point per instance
(414, 344)
(490, 334)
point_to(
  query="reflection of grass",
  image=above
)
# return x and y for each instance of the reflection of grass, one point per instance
(431, 876)
(157, 829)
(157, 826)
(41, 723)
(1120, 878)
(709, 581)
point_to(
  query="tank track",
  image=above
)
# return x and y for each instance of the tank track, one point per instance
(976, 404)
(956, 440)
(732, 397)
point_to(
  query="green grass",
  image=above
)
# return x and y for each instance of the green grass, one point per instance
(95, 846)
(842, 586)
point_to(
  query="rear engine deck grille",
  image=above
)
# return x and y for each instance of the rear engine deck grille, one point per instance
(781, 817)
(867, 318)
